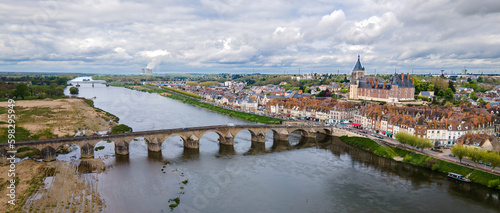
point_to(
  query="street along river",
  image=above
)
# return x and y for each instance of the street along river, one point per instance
(303, 175)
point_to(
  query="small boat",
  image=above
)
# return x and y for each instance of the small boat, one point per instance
(77, 85)
(458, 177)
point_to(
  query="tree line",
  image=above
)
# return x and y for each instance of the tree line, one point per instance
(34, 87)
(476, 155)
(413, 140)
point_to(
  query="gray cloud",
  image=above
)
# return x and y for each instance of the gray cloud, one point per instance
(238, 35)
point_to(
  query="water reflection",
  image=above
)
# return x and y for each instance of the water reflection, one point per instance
(190, 154)
(122, 160)
(226, 150)
(155, 157)
(419, 178)
(256, 148)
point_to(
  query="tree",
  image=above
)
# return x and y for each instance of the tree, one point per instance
(460, 151)
(482, 101)
(480, 79)
(423, 143)
(439, 84)
(475, 155)
(192, 83)
(451, 86)
(403, 137)
(413, 140)
(448, 94)
(21, 90)
(473, 96)
(323, 93)
(494, 159)
(73, 90)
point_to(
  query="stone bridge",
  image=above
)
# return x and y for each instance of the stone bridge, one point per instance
(154, 139)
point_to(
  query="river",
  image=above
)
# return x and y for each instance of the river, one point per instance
(323, 175)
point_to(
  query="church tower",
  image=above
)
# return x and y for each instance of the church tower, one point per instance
(358, 71)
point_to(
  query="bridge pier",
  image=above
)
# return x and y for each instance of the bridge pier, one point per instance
(192, 142)
(227, 140)
(226, 149)
(260, 138)
(122, 148)
(87, 151)
(48, 154)
(280, 136)
(154, 145)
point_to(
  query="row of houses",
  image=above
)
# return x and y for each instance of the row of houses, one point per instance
(442, 125)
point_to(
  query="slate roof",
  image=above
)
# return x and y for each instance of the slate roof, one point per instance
(358, 66)
(426, 94)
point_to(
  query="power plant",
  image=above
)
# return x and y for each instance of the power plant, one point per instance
(146, 71)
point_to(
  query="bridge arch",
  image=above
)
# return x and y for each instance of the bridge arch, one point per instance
(48, 153)
(173, 146)
(303, 132)
(210, 140)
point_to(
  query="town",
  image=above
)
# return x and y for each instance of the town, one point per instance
(447, 109)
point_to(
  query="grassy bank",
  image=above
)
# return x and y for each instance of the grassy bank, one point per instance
(237, 114)
(183, 92)
(369, 145)
(108, 116)
(429, 162)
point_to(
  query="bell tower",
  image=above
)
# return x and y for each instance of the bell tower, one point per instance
(358, 71)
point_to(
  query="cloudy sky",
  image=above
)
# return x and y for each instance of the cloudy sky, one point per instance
(184, 36)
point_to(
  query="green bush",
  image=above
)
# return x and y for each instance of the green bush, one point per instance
(435, 167)
(407, 158)
(121, 129)
(97, 148)
(73, 90)
(494, 183)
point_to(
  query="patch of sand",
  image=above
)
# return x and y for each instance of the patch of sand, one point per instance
(25, 171)
(64, 190)
(62, 117)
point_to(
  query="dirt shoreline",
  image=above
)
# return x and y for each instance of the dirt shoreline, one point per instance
(53, 187)
(57, 117)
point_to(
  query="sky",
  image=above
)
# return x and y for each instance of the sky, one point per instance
(260, 36)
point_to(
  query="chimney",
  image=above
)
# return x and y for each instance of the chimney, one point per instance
(300, 92)
(408, 76)
(384, 84)
(367, 80)
(402, 76)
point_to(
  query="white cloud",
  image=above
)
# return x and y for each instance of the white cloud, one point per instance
(227, 35)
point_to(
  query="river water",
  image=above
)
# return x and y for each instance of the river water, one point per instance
(304, 175)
